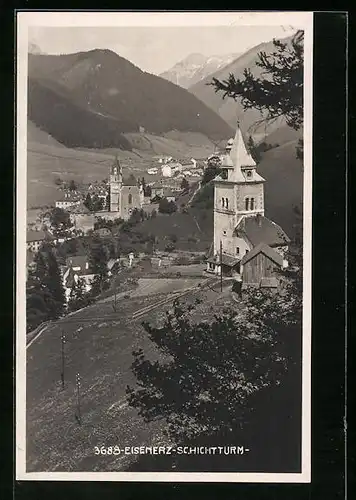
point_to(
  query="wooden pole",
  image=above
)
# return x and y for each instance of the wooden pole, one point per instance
(221, 272)
(63, 341)
(115, 278)
(79, 415)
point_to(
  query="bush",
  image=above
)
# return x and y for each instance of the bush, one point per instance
(170, 247)
(167, 207)
(173, 238)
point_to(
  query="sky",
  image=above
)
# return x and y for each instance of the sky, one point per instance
(155, 49)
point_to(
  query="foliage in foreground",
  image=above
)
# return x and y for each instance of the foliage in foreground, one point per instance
(44, 288)
(213, 372)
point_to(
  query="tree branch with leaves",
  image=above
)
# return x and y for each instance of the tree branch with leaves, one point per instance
(279, 90)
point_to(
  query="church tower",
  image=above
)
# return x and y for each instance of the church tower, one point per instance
(238, 194)
(115, 186)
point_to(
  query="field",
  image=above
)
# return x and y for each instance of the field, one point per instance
(99, 346)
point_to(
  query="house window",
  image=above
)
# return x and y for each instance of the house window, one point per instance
(246, 251)
(224, 233)
(130, 199)
(247, 203)
(237, 250)
(252, 204)
(249, 173)
(226, 203)
(223, 202)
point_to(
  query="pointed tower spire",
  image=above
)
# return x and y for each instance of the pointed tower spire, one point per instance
(239, 154)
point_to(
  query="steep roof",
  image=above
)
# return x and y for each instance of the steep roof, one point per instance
(236, 159)
(239, 155)
(267, 251)
(227, 260)
(259, 229)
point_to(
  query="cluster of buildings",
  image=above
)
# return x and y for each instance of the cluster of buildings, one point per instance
(170, 167)
(247, 245)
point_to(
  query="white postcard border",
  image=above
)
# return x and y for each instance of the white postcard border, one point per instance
(299, 20)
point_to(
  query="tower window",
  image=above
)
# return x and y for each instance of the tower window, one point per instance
(249, 173)
(247, 203)
(130, 199)
(227, 203)
(237, 250)
(223, 202)
(224, 233)
(252, 204)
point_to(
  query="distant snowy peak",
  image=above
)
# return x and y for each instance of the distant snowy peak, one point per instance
(195, 68)
(33, 48)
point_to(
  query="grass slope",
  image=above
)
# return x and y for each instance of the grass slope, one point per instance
(91, 98)
(284, 186)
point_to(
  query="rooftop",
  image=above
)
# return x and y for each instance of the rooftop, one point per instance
(267, 251)
(259, 229)
(227, 260)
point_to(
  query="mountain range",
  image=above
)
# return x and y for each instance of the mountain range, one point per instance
(195, 68)
(90, 99)
(229, 110)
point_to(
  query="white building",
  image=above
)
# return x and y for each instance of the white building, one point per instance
(240, 225)
(68, 199)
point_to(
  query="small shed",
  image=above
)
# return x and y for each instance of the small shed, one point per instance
(259, 263)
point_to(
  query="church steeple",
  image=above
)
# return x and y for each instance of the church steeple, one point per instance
(238, 162)
(115, 185)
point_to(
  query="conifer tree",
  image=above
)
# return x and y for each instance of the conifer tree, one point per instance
(78, 296)
(44, 289)
(228, 379)
(279, 90)
(98, 258)
(88, 202)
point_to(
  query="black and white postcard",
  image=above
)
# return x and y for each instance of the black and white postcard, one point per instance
(164, 224)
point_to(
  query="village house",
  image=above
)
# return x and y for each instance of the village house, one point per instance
(77, 267)
(35, 239)
(68, 199)
(170, 169)
(157, 190)
(152, 171)
(246, 243)
(113, 266)
(169, 195)
(81, 217)
(261, 265)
